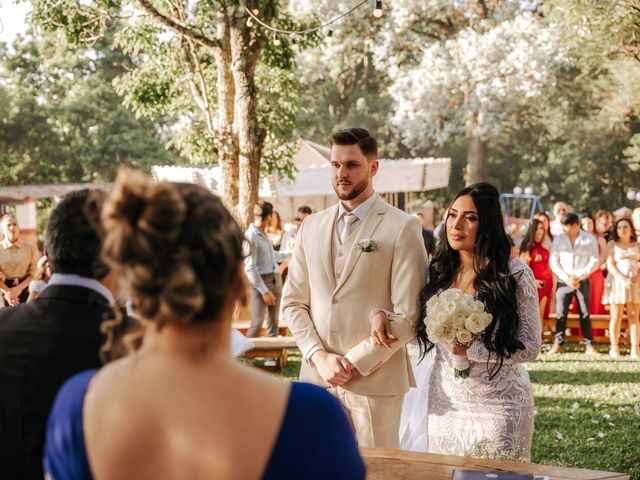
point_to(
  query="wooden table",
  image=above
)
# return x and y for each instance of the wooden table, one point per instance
(271, 347)
(385, 464)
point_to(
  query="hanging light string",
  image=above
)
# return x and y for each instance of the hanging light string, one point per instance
(275, 30)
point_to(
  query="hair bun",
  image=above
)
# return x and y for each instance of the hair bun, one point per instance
(142, 219)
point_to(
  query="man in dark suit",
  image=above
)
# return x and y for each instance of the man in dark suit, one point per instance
(44, 342)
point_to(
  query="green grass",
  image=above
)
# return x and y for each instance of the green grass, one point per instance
(572, 393)
(588, 412)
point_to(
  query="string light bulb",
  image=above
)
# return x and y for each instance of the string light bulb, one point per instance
(329, 37)
(255, 11)
(294, 43)
(276, 39)
(377, 11)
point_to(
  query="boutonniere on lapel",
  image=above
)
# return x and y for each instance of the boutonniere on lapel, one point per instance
(367, 245)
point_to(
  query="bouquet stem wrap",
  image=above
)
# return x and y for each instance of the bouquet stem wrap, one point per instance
(460, 366)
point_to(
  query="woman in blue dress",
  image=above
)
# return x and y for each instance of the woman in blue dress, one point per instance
(180, 406)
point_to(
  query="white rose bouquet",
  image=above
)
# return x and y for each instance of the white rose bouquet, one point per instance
(456, 317)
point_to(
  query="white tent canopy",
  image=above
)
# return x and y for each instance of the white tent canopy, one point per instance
(312, 183)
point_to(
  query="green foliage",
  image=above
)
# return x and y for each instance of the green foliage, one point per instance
(62, 121)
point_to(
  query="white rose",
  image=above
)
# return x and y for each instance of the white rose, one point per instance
(475, 323)
(487, 318)
(478, 306)
(445, 333)
(432, 330)
(467, 304)
(464, 337)
(459, 321)
(449, 307)
(432, 302)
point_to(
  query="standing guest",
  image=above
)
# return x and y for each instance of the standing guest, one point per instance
(275, 231)
(358, 255)
(635, 218)
(427, 236)
(596, 279)
(574, 256)
(622, 288)
(548, 237)
(181, 407)
(18, 261)
(604, 220)
(44, 342)
(289, 237)
(559, 209)
(261, 265)
(534, 254)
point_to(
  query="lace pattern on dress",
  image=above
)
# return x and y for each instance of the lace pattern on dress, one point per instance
(481, 416)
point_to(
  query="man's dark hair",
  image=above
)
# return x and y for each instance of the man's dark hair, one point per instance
(305, 210)
(74, 239)
(356, 136)
(570, 218)
(262, 210)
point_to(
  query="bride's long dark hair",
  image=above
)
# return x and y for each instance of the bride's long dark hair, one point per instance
(494, 284)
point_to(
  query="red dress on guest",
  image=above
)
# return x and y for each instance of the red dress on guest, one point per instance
(539, 264)
(596, 282)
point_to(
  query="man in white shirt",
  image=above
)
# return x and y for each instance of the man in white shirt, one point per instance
(574, 256)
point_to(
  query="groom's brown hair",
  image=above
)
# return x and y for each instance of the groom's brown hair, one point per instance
(356, 136)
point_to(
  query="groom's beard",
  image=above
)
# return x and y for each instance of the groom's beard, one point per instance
(354, 192)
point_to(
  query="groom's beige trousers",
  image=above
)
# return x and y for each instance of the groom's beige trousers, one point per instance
(375, 418)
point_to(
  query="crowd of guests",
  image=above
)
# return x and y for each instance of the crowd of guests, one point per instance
(170, 402)
(592, 261)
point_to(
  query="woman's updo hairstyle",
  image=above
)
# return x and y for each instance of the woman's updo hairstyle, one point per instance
(175, 247)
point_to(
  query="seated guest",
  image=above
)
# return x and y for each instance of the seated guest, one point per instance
(181, 407)
(17, 263)
(44, 342)
(41, 279)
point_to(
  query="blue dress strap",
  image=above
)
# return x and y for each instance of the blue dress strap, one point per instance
(65, 456)
(316, 439)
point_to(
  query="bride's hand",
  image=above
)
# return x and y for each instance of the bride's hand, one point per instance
(458, 349)
(381, 330)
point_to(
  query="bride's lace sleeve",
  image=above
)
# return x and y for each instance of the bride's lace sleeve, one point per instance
(529, 315)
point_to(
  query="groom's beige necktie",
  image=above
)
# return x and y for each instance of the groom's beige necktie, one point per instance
(349, 220)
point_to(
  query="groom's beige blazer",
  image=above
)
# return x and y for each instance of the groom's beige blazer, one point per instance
(331, 311)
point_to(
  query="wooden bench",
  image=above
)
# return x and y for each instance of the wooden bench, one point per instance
(598, 322)
(272, 347)
(383, 464)
(243, 328)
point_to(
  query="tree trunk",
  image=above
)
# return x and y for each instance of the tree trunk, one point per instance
(477, 150)
(227, 139)
(245, 50)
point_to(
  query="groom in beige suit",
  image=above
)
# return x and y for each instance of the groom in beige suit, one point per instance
(355, 257)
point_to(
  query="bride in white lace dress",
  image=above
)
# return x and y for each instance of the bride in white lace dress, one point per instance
(490, 413)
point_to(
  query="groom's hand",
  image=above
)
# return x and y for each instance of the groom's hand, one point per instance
(333, 369)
